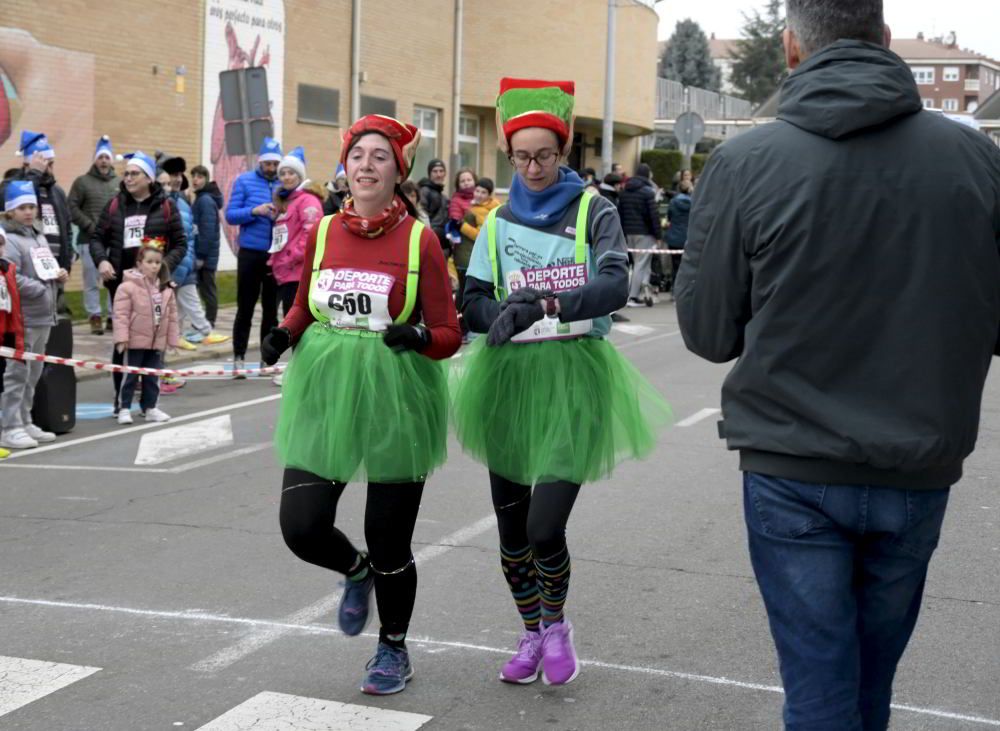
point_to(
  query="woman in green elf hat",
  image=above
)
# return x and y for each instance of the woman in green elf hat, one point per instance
(544, 400)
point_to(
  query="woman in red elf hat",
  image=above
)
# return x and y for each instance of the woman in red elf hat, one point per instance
(365, 394)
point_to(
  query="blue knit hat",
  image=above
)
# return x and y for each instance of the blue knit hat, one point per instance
(142, 161)
(270, 149)
(17, 193)
(32, 142)
(104, 148)
(296, 160)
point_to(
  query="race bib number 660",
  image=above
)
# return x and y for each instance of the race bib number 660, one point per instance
(354, 298)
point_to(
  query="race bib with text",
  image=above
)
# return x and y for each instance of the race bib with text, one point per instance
(354, 298)
(6, 302)
(279, 237)
(50, 224)
(46, 266)
(559, 278)
(135, 228)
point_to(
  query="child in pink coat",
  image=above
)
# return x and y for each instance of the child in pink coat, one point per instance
(145, 325)
(299, 207)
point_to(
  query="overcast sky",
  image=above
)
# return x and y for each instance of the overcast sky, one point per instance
(975, 22)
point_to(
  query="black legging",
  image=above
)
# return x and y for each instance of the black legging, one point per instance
(307, 515)
(537, 518)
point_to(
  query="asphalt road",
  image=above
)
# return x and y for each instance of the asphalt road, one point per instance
(146, 589)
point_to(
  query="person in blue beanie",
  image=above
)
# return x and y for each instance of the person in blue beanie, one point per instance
(251, 208)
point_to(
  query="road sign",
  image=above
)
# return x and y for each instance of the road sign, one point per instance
(689, 129)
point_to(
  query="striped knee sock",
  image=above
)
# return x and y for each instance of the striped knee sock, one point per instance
(553, 585)
(519, 570)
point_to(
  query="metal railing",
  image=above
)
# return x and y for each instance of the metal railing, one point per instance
(673, 99)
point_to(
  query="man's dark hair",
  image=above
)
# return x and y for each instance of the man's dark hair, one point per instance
(202, 171)
(642, 170)
(612, 179)
(818, 23)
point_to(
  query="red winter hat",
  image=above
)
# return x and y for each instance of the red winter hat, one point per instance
(535, 103)
(404, 139)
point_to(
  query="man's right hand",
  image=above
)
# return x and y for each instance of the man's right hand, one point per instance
(264, 209)
(106, 271)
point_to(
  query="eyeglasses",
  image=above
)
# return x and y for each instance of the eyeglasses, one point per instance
(544, 158)
(132, 174)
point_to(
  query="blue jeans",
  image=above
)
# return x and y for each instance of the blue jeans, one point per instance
(91, 289)
(150, 392)
(841, 569)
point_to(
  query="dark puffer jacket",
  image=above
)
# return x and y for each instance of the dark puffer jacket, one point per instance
(207, 204)
(435, 203)
(637, 207)
(108, 241)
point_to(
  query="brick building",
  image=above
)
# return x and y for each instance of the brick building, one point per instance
(147, 74)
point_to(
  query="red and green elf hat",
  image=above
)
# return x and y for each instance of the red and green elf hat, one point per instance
(535, 103)
(404, 139)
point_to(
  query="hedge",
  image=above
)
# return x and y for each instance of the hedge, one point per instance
(664, 164)
(698, 161)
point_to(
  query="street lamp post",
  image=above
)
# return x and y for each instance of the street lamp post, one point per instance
(608, 133)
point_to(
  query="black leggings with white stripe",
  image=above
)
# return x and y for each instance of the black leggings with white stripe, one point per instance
(308, 512)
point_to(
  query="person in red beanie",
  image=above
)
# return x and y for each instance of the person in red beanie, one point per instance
(365, 394)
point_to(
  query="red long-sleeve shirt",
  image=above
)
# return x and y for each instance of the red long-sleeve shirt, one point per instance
(387, 254)
(11, 323)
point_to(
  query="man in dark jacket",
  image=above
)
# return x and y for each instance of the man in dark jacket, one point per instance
(863, 345)
(87, 197)
(611, 187)
(207, 204)
(641, 223)
(434, 201)
(140, 210)
(251, 208)
(678, 213)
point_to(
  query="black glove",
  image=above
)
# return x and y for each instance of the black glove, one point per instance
(514, 318)
(524, 296)
(407, 337)
(274, 344)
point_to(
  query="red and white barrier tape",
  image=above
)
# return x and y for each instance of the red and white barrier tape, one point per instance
(656, 251)
(94, 365)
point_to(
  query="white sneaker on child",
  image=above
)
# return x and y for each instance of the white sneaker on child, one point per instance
(124, 416)
(154, 414)
(17, 438)
(39, 434)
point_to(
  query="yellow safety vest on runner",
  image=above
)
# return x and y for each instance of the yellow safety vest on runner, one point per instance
(412, 271)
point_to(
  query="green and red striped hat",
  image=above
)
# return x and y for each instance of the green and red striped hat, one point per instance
(535, 103)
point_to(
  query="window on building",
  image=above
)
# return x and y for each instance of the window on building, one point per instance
(928, 103)
(505, 172)
(377, 105)
(426, 120)
(468, 142)
(318, 105)
(951, 73)
(950, 105)
(923, 74)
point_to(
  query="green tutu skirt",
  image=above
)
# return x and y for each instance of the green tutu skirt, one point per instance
(557, 410)
(352, 409)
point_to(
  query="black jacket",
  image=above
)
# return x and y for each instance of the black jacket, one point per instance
(50, 193)
(108, 242)
(205, 215)
(849, 256)
(435, 203)
(637, 207)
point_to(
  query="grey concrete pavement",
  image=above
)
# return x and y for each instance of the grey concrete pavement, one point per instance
(172, 578)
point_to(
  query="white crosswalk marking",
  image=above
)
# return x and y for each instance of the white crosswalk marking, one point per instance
(166, 445)
(283, 712)
(698, 416)
(23, 681)
(637, 330)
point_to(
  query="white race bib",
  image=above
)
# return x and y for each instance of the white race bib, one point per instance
(157, 308)
(354, 298)
(50, 224)
(6, 302)
(279, 237)
(135, 229)
(46, 266)
(559, 278)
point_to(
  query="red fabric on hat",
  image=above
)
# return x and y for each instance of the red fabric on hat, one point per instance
(402, 137)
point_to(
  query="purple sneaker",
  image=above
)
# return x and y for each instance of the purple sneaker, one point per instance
(355, 605)
(523, 668)
(560, 665)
